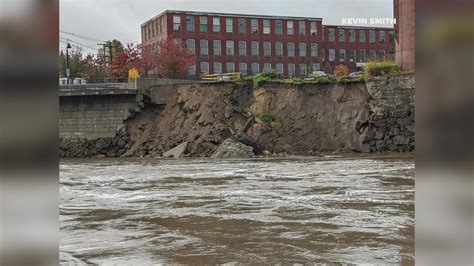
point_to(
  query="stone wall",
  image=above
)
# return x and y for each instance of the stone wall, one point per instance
(391, 126)
(93, 116)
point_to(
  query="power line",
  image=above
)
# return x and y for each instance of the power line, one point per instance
(77, 46)
(68, 40)
(82, 36)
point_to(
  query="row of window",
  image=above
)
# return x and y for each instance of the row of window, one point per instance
(254, 48)
(153, 29)
(242, 25)
(255, 68)
(362, 36)
(352, 55)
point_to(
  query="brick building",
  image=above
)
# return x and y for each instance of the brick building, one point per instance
(293, 46)
(404, 12)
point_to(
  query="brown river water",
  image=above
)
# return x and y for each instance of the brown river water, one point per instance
(260, 211)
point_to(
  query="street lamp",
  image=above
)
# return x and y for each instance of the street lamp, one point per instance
(68, 70)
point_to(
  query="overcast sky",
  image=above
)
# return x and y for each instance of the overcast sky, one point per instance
(121, 19)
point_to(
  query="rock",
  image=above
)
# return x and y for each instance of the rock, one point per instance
(233, 149)
(379, 135)
(176, 152)
(244, 139)
(365, 148)
(267, 153)
(398, 140)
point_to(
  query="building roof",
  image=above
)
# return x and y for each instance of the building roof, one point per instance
(200, 13)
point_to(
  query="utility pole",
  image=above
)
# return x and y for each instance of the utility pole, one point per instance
(68, 70)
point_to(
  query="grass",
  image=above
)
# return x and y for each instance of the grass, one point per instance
(380, 68)
(350, 80)
(264, 117)
(260, 78)
(275, 125)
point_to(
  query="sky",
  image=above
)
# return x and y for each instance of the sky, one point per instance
(121, 19)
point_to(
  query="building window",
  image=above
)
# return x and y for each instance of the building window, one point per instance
(267, 67)
(332, 35)
(314, 28)
(303, 70)
(316, 67)
(382, 54)
(243, 68)
(362, 36)
(352, 55)
(242, 26)
(216, 24)
(291, 70)
(242, 48)
(177, 23)
(204, 68)
(302, 28)
(372, 55)
(362, 56)
(229, 25)
(302, 48)
(391, 36)
(217, 47)
(332, 55)
(291, 49)
(381, 36)
(372, 36)
(191, 45)
(267, 48)
(342, 55)
(342, 35)
(314, 49)
(161, 24)
(254, 26)
(279, 69)
(203, 45)
(229, 47)
(190, 23)
(192, 70)
(266, 26)
(203, 24)
(217, 67)
(255, 68)
(254, 47)
(278, 27)
(352, 36)
(279, 49)
(289, 28)
(230, 67)
(153, 29)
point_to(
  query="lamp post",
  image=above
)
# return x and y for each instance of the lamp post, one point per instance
(68, 70)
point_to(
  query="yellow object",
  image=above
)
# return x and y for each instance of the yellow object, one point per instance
(133, 74)
(224, 76)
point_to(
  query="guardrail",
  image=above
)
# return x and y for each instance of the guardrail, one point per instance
(222, 76)
(94, 86)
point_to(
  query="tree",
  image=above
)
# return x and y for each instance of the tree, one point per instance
(75, 63)
(93, 68)
(174, 59)
(341, 70)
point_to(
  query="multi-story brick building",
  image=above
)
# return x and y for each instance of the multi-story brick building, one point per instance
(293, 46)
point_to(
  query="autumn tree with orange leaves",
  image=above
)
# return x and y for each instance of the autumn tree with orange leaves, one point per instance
(174, 59)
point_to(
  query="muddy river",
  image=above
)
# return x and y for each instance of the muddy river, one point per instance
(261, 211)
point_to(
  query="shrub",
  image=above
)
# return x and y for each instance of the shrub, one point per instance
(380, 68)
(341, 70)
(260, 78)
(322, 80)
(349, 80)
(264, 117)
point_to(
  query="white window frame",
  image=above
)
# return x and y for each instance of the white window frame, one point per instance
(229, 47)
(229, 25)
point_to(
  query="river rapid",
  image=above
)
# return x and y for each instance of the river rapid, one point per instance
(329, 209)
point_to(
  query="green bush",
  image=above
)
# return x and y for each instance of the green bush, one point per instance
(322, 80)
(260, 78)
(380, 68)
(349, 80)
(264, 117)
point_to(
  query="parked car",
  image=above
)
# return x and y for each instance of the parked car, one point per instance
(317, 74)
(357, 74)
